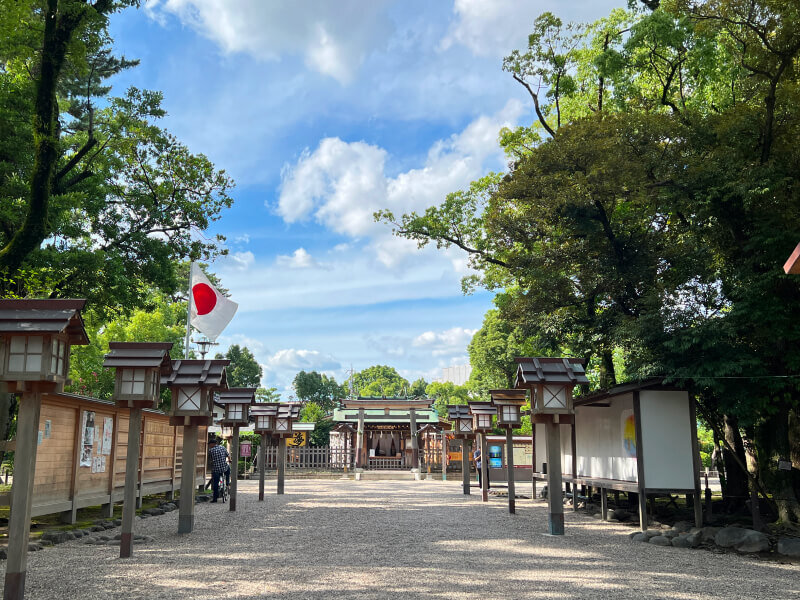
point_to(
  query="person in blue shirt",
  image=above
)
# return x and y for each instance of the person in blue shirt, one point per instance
(476, 456)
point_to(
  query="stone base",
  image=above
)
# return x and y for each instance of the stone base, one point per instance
(185, 523)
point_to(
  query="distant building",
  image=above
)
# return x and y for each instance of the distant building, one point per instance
(457, 375)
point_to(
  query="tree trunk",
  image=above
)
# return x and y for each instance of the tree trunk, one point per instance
(735, 490)
(772, 446)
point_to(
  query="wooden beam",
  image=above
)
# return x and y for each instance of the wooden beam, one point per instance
(792, 266)
(641, 487)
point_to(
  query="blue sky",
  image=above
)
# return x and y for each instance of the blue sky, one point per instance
(323, 112)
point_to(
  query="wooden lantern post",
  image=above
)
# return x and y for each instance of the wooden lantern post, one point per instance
(287, 413)
(509, 416)
(482, 413)
(137, 385)
(237, 402)
(264, 416)
(551, 381)
(193, 383)
(462, 430)
(35, 341)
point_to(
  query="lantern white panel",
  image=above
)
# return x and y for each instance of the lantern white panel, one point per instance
(189, 398)
(509, 413)
(555, 397)
(235, 412)
(464, 426)
(667, 439)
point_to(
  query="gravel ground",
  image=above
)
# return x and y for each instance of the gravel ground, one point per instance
(393, 539)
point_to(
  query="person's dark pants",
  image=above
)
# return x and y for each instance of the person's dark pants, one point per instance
(228, 476)
(215, 484)
(488, 481)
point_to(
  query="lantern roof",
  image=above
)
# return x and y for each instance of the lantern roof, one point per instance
(44, 316)
(307, 426)
(264, 409)
(203, 373)
(458, 411)
(290, 411)
(143, 355)
(516, 397)
(344, 427)
(237, 396)
(428, 428)
(531, 371)
(482, 408)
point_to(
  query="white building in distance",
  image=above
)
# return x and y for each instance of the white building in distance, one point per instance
(457, 374)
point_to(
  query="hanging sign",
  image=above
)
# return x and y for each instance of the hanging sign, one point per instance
(245, 449)
(298, 439)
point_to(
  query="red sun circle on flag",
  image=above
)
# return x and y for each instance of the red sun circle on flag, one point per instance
(204, 298)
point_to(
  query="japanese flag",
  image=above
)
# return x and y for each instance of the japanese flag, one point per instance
(211, 311)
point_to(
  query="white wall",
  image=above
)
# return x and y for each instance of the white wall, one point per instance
(667, 440)
(541, 448)
(600, 444)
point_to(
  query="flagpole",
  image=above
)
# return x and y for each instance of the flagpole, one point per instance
(188, 314)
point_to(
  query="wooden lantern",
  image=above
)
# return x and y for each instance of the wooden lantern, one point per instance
(509, 406)
(551, 381)
(287, 414)
(482, 413)
(139, 369)
(236, 402)
(264, 416)
(193, 383)
(461, 418)
(35, 340)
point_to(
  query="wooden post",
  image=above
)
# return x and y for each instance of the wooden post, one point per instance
(603, 504)
(19, 525)
(71, 516)
(698, 509)
(484, 468)
(129, 498)
(554, 501)
(112, 465)
(171, 493)
(574, 446)
(412, 424)
(140, 462)
(465, 465)
(188, 474)
(533, 459)
(444, 456)
(360, 439)
(262, 458)
(510, 469)
(281, 463)
(234, 466)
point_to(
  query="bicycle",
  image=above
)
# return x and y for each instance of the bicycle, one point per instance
(222, 488)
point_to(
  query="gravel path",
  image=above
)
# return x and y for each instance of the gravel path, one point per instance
(393, 539)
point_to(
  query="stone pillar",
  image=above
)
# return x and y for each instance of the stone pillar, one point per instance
(129, 494)
(412, 424)
(484, 467)
(360, 440)
(234, 466)
(19, 525)
(510, 469)
(186, 508)
(465, 465)
(281, 463)
(554, 499)
(262, 458)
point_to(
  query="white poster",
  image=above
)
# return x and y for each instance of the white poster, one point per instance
(108, 434)
(87, 440)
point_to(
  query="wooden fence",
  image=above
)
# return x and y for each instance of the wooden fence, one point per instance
(75, 471)
(315, 459)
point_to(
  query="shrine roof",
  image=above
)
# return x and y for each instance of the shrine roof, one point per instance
(388, 416)
(370, 402)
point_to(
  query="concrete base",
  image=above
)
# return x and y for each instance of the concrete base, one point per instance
(126, 545)
(387, 476)
(556, 524)
(15, 586)
(185, 523)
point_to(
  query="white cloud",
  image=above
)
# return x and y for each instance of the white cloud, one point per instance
(302, 360)
(300, 259)
(341, 184)
(240, 261)
(445, 343)
(332, 37)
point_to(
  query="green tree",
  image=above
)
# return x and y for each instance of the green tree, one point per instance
(314, 413)
(318, 389)
(418, 388)
(244, 370)
(445, 393)
(380, 380)
(268, 395)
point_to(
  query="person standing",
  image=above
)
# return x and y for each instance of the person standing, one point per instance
(476, 456)
(219, 465)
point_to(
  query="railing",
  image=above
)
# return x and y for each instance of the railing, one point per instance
(314, 459)
(384, 462)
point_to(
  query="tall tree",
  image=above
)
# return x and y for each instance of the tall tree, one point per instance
(244, 370)
(380, 380)
(317, 388)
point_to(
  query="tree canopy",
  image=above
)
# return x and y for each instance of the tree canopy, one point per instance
(317, 388)
(244, 370)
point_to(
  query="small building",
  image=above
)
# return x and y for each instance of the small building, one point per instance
(386, 428)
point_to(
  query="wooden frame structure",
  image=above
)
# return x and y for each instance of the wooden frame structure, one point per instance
(237, 402)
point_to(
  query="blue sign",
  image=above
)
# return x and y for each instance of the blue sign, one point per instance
(496, 457)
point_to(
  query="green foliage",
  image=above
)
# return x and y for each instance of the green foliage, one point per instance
(268, 395)
(445, 393)
(418, 388)
(314, 413)
(379, 380)
(244, 370)
(318, 389)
